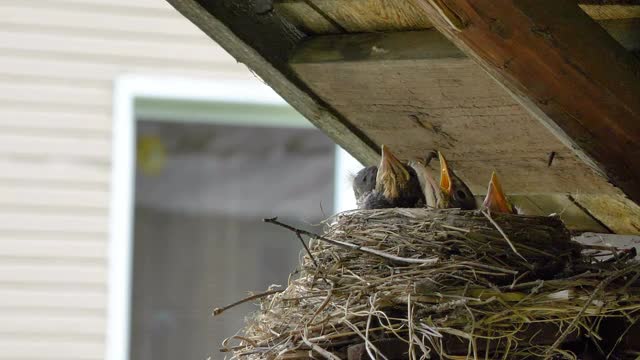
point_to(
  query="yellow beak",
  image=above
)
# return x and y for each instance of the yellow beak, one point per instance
(446, 181)
(496, 201)
(392, 175)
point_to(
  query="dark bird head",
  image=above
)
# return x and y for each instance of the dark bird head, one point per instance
(365, 181)
(456, 193)
(390, 184)
(496, 201)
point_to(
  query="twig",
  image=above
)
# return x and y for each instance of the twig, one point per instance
(218, 311)
(495, 224)
(327, 355)
(350, 246)
(299, 233)
(306, 248)
(322, 306)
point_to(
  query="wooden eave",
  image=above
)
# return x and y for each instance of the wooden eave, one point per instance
(545, 92)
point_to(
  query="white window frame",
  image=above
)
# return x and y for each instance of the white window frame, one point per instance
(191, 100)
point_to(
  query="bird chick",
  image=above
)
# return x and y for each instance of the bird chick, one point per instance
(496, 201)
(390, 184)
(456, 193)
(365, 181)
(434, 197)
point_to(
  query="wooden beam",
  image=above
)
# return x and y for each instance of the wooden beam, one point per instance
(252, 35)
(625, 31)
(611, 11)
(316, 17)
(416, 91)
(562, 67)
(359, 15)
(620, 215)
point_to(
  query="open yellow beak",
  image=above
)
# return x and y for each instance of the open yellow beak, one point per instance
(496, 201)
(446, 181)
(392, 175)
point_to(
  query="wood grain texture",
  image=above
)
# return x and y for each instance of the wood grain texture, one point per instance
(621, 215)
(338, 16)
(558, 63)
(625, 31)
(416, 92)
(611, 11)
(306, 18)
(573, 216)
(263, 43)
(375, 15)
(356, 15)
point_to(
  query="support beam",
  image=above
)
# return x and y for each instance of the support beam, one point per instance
(621, 19)
(251, 34)
(416, 91)
(563, 68)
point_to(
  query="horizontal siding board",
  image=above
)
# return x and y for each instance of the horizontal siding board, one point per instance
(67, 94)
(55, 147)
(129, 48)
(102, 71)
(40, 347)
(58, 63)
(51, 299)
(48, 173)
(77, 223)
(115, 58)
(148, 7)
(29, 234)
(143, 4)
(53, 249)
(24, 322)
(46, 197)
(43, 105)
(48, 273)
(61, 121)
(88, 20)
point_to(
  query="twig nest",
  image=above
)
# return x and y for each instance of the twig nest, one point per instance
(456, 284)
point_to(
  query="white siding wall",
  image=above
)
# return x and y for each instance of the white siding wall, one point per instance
(58, 61)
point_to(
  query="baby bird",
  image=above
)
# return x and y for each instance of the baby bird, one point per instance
(456, 193)
(496, 201)
(396, 184)
(433, 194)
(390, 184)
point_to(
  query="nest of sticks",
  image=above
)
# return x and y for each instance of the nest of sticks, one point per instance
(424, 284)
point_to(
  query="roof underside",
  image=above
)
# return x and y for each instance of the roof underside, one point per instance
(552, 105)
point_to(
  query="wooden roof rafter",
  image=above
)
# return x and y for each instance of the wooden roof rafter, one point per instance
(266, 38)
(562, 67)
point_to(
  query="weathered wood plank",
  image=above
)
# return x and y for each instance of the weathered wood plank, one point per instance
(356, 15)
(381, 15)
(620, 215)
(574, 217)
(625, 31)
(263, 42)
(336, 16)
(414, 91)
(306, 18)
(611, 11)
(558, 63)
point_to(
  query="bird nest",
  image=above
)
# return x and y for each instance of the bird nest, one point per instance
(422, 284)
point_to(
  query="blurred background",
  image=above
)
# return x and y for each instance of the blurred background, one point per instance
(137, 160)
